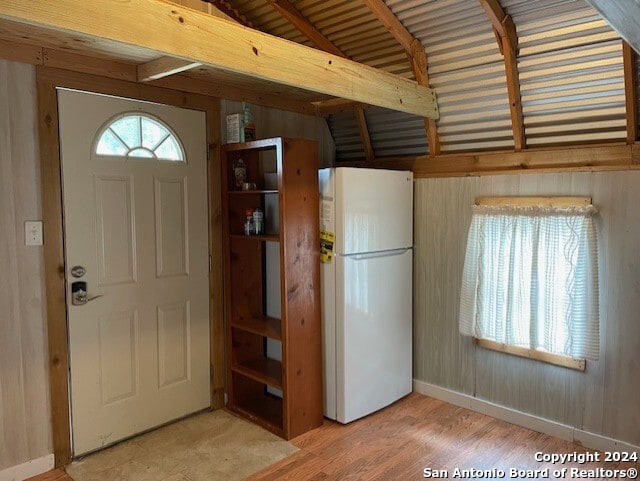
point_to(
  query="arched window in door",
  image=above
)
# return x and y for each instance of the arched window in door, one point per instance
(140, 136)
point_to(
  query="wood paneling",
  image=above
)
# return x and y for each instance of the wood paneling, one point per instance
(441, 355)
(600, 400)
(25, 431)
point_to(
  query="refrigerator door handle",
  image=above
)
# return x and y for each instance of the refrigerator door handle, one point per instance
(372, 255)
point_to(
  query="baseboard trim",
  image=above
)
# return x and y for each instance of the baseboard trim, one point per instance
(553, 428)
(29, 469)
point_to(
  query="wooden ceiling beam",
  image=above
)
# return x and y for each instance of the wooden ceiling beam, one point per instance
(158, 24)
(166, 66)
(417, 57)
(163, 67)
(336, 106)
(364, 135)
(20, 52)
(507, 37)
(418, 60)
(568, 159)
(391, 23)
(69, 63)
(498, 17)
(293, 15)
(623, 16)
(304, 25)
(629, 58)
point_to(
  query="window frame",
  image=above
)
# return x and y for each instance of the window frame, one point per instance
(538, 355)
(132, 158)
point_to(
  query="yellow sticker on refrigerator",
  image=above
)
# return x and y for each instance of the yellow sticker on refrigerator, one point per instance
(327, 240)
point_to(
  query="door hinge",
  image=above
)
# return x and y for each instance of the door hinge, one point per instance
(210, 262)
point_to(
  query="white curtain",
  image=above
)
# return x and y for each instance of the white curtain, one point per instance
(531, 279)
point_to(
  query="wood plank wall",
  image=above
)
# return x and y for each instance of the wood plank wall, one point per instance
(603, 399)
(25, 432)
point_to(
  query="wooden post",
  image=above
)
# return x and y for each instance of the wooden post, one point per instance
(507, 38)
(417, 58)
(629, 58)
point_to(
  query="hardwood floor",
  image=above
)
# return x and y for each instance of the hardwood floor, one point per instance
(415, 433)
(55, 475)
(419, 432)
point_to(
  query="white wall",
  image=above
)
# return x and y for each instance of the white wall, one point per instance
(25, 432)
(603, 400)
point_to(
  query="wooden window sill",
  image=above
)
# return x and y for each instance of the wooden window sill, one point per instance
(550, 358)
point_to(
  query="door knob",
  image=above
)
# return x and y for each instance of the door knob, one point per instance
(79, 296)
(78, 271)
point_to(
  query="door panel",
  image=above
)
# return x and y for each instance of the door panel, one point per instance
(118, 346)
(171, 227)
(139, 354)
(174, 343)
(115, 230)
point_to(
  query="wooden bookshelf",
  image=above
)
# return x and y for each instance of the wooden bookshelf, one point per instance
(281, 393)
(263, 326)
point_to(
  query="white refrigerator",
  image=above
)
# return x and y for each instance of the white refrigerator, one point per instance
(366, 289)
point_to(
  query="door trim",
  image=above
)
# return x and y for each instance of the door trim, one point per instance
(48, 79)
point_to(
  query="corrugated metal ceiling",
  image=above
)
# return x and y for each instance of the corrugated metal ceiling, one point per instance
(348, 24)
(465, 68)
(569, 62)
(570, 68)
(571, 74)
(346, 136)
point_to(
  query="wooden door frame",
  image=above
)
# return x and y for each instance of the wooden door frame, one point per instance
(48, 79)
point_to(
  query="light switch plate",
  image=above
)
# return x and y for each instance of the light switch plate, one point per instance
(33, 233)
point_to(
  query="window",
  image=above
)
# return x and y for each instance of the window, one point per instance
(530, 280)
(140, 136)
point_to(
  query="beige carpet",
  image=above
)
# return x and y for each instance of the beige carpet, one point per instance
(214, 446)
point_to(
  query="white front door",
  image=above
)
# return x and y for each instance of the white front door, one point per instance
(136, 221)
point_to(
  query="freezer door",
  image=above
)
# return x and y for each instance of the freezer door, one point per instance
(374, 210)
(373, 332)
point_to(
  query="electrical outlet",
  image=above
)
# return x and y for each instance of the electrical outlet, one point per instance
(33, 233)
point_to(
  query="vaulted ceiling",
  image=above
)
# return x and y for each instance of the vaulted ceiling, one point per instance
(507, 75)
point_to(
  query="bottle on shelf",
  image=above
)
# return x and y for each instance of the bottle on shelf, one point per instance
(240, 173)
(258, 221)
(248, 125)
(249, 226)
